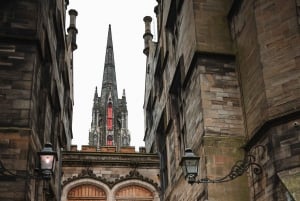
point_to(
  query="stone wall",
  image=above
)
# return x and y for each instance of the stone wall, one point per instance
(280, 162)
(267, 38)
(223, 78)
(36, 92)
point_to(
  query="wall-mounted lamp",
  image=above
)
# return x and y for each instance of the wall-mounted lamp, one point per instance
(190, 167)
(47, 159)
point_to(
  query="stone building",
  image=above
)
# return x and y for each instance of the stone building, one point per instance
(36, 94)
(223, 79)
(109, 169)
(109, 125)
(110, 175)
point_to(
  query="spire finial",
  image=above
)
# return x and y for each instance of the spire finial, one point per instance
(109, 57)
(96, 94)
(123, 93)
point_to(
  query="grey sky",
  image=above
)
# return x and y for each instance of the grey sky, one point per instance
(126, 19)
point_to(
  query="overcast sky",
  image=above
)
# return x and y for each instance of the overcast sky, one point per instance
(127, 25)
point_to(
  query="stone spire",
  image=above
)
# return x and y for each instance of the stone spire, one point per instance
(109, 57)
(109, 82)
(96, 95)
(110, 116)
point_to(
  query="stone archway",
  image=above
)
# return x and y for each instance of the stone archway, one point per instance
(86, 192)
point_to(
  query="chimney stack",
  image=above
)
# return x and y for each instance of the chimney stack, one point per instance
(147, 35)
(72, 30)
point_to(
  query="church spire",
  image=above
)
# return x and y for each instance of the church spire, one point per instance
(110, 116)
(109, 57)
(96, 95)
(109, 82)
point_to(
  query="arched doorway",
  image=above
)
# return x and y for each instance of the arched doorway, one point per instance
(86, 192)
(134, 193)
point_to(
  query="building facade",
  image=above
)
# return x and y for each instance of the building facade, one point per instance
(223, 79)
(110, 175)
(109, 125)
(36, 94)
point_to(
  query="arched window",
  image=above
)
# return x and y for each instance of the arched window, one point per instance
(109, 141)
(109, 119)
(86, 192)
(134, 193)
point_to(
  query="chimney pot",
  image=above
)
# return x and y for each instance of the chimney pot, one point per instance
(147, 35)
(72, 30)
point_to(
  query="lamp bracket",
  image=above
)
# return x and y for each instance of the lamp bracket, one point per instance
(238, 169)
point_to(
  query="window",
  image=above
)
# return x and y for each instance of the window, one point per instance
(134, 193)
(161, 136)
(109, 141)
(86, 191)
(109, 121)
(149, 116)
(158, 76)
(175, 95)
(173, 21)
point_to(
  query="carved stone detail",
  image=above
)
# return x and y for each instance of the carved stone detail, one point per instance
(88, 173)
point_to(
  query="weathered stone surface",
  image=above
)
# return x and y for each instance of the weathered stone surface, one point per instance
(225, 82)
(36, 92)
(291, 179)
(271, 86)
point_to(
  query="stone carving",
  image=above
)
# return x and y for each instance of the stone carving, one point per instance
(88, 173)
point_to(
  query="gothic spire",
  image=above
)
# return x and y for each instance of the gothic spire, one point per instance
(109, 83)
(109, 57)
(96, 94)
(109, 125)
